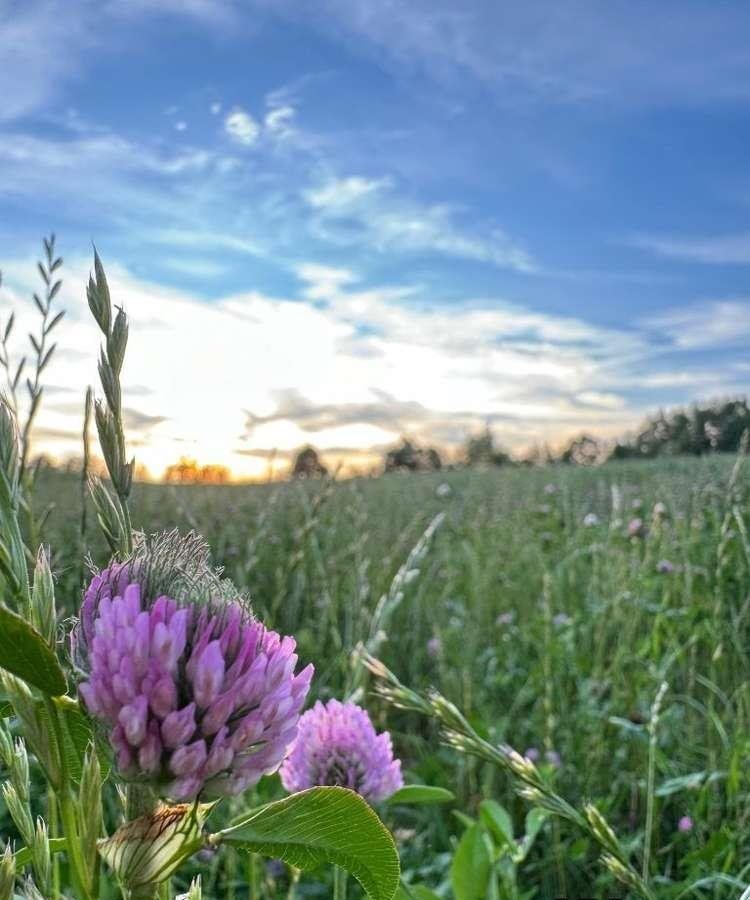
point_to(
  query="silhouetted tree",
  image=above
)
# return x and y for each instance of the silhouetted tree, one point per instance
(409, 457)
(481, 451)
(307, 464)
(583, 451)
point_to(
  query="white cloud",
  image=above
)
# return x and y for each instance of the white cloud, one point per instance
(180, 126)
(242, 127)
(714, 323)
(215, 109)
(324, 281)
(343, 192)
(718, 250)
(279, 120)
(369, 211)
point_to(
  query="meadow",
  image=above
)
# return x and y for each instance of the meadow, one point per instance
(613, 654)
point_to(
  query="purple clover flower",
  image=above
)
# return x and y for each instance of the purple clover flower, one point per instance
(434, 647)
(337, 745)
(636, 528)
(685, 824)
(198, 696)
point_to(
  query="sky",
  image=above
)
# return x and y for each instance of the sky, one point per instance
(342, 221)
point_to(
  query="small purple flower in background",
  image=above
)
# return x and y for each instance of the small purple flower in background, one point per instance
(434, 647)
(664, 567)
(275, 869)
(506, 618)
(337, 745)
(590, 520)
(685, 824)
(532, 754)
(636, 528)
(197, 695)
(561, 620)
(552, 758)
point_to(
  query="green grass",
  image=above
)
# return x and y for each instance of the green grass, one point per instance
(553, 635)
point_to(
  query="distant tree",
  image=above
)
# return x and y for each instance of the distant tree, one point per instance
(187, 471)
(481, 451)
(409, 457)
(717, 427)
(307, 464)
(583, 451)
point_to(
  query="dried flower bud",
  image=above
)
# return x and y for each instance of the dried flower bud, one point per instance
(147, 850)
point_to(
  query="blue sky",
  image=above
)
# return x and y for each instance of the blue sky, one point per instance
(342, 221)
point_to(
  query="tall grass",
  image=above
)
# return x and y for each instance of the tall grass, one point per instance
(578, 641)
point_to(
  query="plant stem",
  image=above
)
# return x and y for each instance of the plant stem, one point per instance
(650, 784)
(73, 845)
(340, 879)
(54, 832)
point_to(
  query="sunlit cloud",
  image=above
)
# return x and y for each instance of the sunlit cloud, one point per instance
(242, 127)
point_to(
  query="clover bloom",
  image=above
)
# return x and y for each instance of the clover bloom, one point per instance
(685, 824)
(636, 528)
(198, 697)
(434, 648)
(337, 745)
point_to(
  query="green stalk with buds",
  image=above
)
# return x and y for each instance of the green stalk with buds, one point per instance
(527, 779)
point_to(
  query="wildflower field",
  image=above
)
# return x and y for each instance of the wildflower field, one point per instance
(550, 628)
(478, 685)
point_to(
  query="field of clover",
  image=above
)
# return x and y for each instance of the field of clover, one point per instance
(473, 685)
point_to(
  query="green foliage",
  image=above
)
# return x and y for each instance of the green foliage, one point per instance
(26, 654)
(419, 795)
(321, 825)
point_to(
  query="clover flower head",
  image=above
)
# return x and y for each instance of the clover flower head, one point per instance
(434, 647)
(337, 745)
(197, 695)
(636, 528)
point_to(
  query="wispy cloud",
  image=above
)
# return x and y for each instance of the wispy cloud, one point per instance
(546, 51)
(356, 210)
(718, 250)
(715, 323)
(242, 127)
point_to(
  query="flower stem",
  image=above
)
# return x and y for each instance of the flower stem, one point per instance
(339, 884)
(73, 845)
